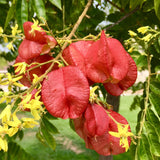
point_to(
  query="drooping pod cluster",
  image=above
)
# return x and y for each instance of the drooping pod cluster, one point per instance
(66, 91)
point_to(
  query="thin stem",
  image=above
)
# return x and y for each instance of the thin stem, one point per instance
(113, 4)
(143, 116)
(78, 23)
(123, 18)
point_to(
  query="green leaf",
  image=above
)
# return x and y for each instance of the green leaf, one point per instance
(134, 4)
(144, 149)
(39, 8)
(153, 139)
(153, 119)
(148, 6)
(3, 1)
(57, 3)
(10, 14)
(71, 123)
(155, 87)
(49, 126)
(141, 61)
(157, 7)
(40, 138)
(15, 152)
(48, 137)
(24, 11)
(137, 102)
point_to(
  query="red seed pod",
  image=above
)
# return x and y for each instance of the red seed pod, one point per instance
(108, 144)
(75, 54)
(30, 49)
(131, 76)
(126, 82)
(28, 77)
(36, 42)
(65, 92)
(105, 144)
(106, 60)
(94, 126)
(37, 36)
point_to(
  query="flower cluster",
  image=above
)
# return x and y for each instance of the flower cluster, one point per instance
(65, 91)
(66, 94)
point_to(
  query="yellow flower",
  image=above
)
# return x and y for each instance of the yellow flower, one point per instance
(5, 39)
(29, 122)
(35, 79)
(123, 134)
(3, 130)
(15, 30)
(12, 81)
(21, 67)
(147, 38)
(93, 96)
(10, 46)
(36, 108)
(5, 97)
(3, 144)
(1, 30)
(131, 49)
(143, 30)
(132, 34)
(35, 27)
(6, 114)
(14, 124)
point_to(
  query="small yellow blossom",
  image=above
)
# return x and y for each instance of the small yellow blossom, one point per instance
(21, 67)
(15, 30)
(25, 100)
(132, 34)
(6, 114)
(5, 97)
(5, 39)
(147, 38)
(35, 79)
(10, 46)
(131, 50)
(1, 30)
(93, 96)
(3, 144)
(3, 130)
(123, 134)
(12, 81)
(143, 30)
(14, 124)
(29, 122)
(35, 27)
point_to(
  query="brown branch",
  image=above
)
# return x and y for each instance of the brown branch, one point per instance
(113, 4)
(123, 18)
(78, 23)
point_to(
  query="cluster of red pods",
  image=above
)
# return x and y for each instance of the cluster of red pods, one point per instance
(65, 91)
